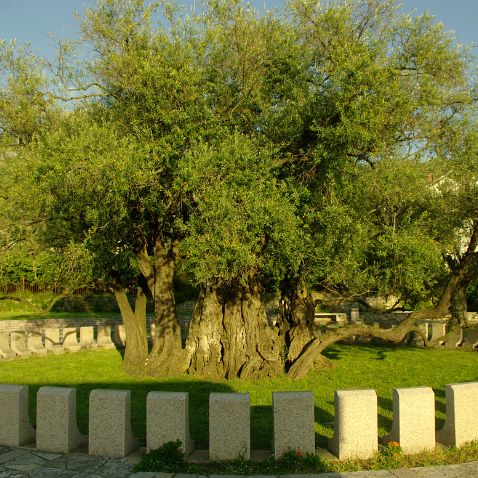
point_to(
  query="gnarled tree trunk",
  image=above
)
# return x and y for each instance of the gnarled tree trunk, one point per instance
(296, 320)
(229, 335)
(166, 357)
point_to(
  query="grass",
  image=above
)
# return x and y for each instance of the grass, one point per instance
(379, 367)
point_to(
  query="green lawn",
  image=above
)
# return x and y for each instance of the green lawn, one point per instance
(380, 368)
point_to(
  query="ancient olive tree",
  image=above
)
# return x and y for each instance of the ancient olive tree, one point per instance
(265, 153)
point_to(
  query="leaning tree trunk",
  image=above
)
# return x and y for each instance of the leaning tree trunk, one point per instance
(458, 306)
(229, 335)
(136, 350)
(312, 351)
(166, 357)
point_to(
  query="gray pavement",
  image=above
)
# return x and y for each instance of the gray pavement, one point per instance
(27, 462)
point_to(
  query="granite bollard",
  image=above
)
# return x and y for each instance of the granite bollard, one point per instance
(57, 431)
(70, 339)
(18, 343)
(167, 420)
(52, 340)
(15, 429)
(293, 422)
(87, 338)
(35, 344)
(110, 423)
(103, 339)
(413, 419)
(461, 422)
(471, 339)
(438, 329)
(5, 350)
(229, 426)
(454, 339)
(356, 424)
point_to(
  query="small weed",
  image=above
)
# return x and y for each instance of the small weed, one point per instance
(167, 457)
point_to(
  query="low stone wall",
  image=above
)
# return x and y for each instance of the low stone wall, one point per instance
(355, 430)
(25, 338)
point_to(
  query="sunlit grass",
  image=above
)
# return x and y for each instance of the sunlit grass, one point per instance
(380, 368)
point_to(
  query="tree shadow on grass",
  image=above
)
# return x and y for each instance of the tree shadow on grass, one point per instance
(440, 408)
(384, 420)
(326, 420)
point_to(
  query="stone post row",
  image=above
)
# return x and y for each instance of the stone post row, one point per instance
(355, 430)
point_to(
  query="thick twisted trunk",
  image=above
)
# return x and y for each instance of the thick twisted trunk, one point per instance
(136, 350)
(166, 356)
(296, 320)
(229, 335)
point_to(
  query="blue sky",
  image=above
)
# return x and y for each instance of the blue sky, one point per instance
(32, 20)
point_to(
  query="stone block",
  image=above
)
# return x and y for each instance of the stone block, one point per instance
(438, 329)
(167, 420)
(110, 423)
(471, 339)
(229, 426)
(413, 419)
(461, 423)
(454, 339)
(35, 344)
(57, 431)
(70, 339)
(103, 339)
(293, 422)
(15, 429)
(87, 338)
(52, 340)
(5, 350)
(356, 424)
(18, 343)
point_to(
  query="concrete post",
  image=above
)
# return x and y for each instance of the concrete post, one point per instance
(167, 420)
(52, 340)
(87, 338)
(103, 339)
(110, 431)
(356, 428)
(57, 431)
(461, 423)
(229, 426)
(15, 429)
(5, 350)
(413, 419)
(70, 340)
(35, 344)
(293, 422)
(19, 344)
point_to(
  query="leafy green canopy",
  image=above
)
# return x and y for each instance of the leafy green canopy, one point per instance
(268, 146)
(243, 222)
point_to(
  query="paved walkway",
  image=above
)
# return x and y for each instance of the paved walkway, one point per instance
(26, 463)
